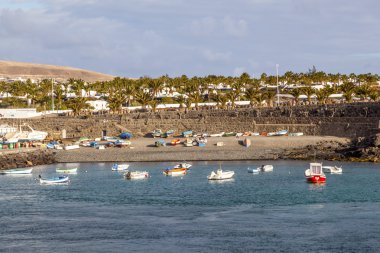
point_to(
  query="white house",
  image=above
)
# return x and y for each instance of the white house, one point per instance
(98, 104)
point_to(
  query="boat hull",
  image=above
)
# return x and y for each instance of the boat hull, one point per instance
(221, 176)
(120, 167)
(58, 180)
(175, 172)
(316, 179)
(137, 175)
(17, 171)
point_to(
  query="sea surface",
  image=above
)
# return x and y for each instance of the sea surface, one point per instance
(100, 211)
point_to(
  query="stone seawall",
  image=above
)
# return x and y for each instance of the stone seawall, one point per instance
(341, 120)
(22, 159)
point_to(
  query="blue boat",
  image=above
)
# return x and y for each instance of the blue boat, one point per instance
(188, 133)
(160, 143)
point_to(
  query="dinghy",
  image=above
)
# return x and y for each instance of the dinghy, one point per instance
(220, 175)
(175, 172)
(136, 175)
(332, 169)
(17, 171)
(54, 180)
(120, 167)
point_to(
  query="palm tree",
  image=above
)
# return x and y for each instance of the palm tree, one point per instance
(321, 96)
(196, 98)
(180, 100)
(251, 94)
(308, 91)
(78, 105)
(143, 98)
(260, 98)
(296, 93)
(270, 96)
(374, 96)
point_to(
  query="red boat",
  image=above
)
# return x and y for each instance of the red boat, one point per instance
(315, 173)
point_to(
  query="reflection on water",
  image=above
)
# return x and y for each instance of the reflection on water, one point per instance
(224, 181)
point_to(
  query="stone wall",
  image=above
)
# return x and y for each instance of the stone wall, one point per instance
(342, 120)
(18, 159)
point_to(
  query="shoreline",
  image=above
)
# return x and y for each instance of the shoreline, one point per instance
(262, 148)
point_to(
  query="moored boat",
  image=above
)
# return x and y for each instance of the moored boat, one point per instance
(66, 171)
(188, 142)
(175, 142)
(54, 180)
(332, 169)
(71, 147)
(175, 172)
(17, 171)
(253, 170)
(315, 173)
(136, 175)
(188, 133)
(182, 165)
(120, 167)
(266, 168)
(220, 175)
(157, 133)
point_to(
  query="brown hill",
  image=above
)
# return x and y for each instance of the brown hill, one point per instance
(10, 69)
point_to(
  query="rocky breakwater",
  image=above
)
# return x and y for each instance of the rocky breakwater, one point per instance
(22, 159)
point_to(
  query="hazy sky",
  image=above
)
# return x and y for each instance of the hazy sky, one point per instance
(134, 38)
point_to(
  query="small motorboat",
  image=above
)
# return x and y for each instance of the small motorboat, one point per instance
(253, 170)
(175, 172)
(120, 167)
(220, 175)
(157, 133)
(54, 180)
(187, 134)
(188, 142)
(175, 142)
(265, 168)
(182, 165)
(160, 143)
(17, 171)
(66, 171)
(136, 175)
(315, 173)
(332, 169)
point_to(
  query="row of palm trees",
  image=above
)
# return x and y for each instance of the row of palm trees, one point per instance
(144, 91)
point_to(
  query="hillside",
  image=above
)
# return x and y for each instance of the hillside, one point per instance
(10, 69)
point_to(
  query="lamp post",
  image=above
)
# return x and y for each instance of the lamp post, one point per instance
(52, 94)
(278, 91)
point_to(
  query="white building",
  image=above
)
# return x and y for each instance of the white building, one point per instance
(98, 105)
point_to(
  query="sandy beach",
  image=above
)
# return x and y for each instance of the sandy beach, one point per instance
(143, 149)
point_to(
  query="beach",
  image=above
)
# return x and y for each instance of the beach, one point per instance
(143, 150)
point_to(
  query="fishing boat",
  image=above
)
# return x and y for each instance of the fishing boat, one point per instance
(188, 133)
(136, 175)
(217, 135)
(160, 143)
(168, 134)
(54, 180)
(332, 169)
(66, 171)
(229, 134)
(25, 133)
(188, 142)
(18, 171)
(175, 142)
(253, 170)
(315, 173)
(265, 168)
(120, 167)
(122, 143)
(182, 165)
(278, 133)
(175, 172)
(157, 133)
(247, 142)
(220, 175)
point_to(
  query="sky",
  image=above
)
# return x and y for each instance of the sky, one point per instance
(134, 38)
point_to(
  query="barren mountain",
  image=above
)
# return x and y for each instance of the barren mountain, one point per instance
(10, 69)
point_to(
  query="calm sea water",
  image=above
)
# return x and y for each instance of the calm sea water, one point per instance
(99, 211)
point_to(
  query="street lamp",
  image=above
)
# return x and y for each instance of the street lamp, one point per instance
(278, 91)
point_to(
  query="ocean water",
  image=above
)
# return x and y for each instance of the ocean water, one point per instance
(100, 211)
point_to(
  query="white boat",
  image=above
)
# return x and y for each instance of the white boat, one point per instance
(18, 171)
(54, 180)
(265, 168)
(67, 171)
(71, 147)
(188, 142)
(120, 167)
(220, 175)
(136, 175)
(182, 165)
(253, 170)
(25, 133)
(296, 134)
(217, 135)
(332, 169)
